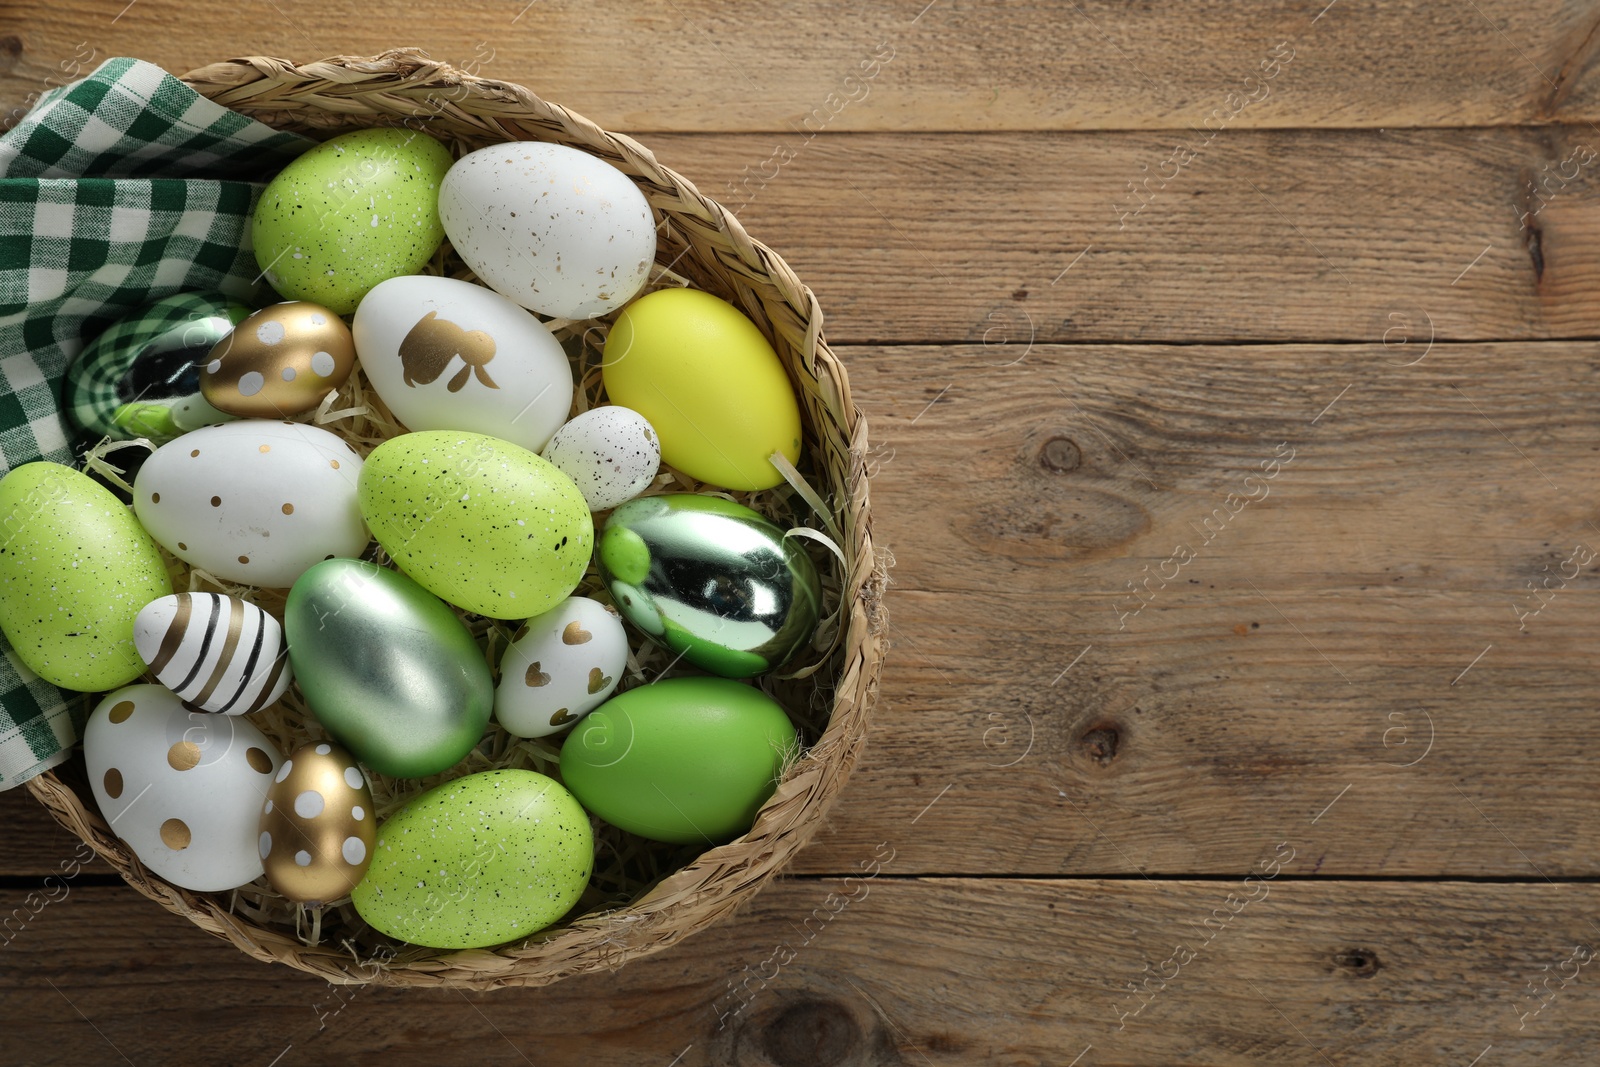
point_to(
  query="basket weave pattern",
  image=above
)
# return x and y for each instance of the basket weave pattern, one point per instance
(705, 243)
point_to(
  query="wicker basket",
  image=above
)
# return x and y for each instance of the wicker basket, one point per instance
(708, 245)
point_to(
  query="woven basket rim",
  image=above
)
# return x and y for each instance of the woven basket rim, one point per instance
(333, 92)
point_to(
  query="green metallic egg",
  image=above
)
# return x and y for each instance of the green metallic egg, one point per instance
(141, 377)
(711, 580)
(387, 667)
(478, 861)
(683, 760)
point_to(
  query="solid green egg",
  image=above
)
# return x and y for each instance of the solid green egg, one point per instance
(387, 668)
(75, 568)
(478, 861)
(683, 760)
(480, 522)
(350, 213)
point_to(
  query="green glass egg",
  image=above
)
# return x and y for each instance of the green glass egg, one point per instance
(710, 580)
(387, 667)
(481, 522)
(683, 760)
(141, 377)
(478, 861)
(350, 213)
(75, 568)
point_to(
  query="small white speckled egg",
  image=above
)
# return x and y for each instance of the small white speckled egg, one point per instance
(183, 789)
(254, 502)
(610, 453)
(561, 666)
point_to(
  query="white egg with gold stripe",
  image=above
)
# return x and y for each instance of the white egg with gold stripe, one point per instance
(217, 653)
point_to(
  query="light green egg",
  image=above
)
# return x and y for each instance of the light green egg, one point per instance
(75, 568)
(477, 521)
(350, 213)
(478, 861)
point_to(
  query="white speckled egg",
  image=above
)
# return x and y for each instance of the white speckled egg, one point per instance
(449, 355)
(558, 230)
(561, 666)
(183, 789)
(219, 653)
(610, 453)
(254, 502)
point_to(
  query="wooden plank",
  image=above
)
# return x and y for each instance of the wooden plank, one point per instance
(946, 65)
(1267, 236)
(1316, 641)
(949, 971)
(1071, 569)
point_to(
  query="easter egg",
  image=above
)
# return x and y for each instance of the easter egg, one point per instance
(478, 861)
(280, 361)
(449, 355)
(254, 502)
(710, 580)
(218, 653)
(610, 453)
(488, 526)
(183, 789)
(141, 377)
(560, 666)
(682, 760)
(349, 213)
(709, 383)
(317, 826)
(559, 231)
(387, 668)
(75, 568)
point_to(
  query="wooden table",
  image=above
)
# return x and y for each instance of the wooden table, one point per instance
(1233, 375)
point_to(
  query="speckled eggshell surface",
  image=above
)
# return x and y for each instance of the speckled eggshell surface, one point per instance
(478, 861)
(611, 454)
(479, 522)
(350, 213)
(75, 568)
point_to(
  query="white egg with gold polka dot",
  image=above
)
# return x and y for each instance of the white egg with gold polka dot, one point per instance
(256, 502)
(184, 790)
(317, 826)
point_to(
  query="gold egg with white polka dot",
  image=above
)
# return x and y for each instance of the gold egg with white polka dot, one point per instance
(317, 826)
(280, 361)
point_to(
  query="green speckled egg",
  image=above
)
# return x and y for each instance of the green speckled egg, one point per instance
(75, 568)
(350, 213)
(477, 521)
(478, 861)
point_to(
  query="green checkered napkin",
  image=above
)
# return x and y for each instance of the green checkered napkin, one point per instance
(115, 191)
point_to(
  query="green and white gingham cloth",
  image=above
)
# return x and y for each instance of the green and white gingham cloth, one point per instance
(115, 191)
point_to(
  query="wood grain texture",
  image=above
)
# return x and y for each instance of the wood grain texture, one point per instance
(882, 972)
(695, 65)
(1123, 643)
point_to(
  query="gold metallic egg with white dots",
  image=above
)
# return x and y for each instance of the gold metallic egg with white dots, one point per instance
(317, 826)
(280, 361)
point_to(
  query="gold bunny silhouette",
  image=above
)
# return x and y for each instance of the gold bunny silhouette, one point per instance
(431, 345)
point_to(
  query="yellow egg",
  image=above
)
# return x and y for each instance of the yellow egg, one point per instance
(280, 361)
(710, 384)
(318, 827)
